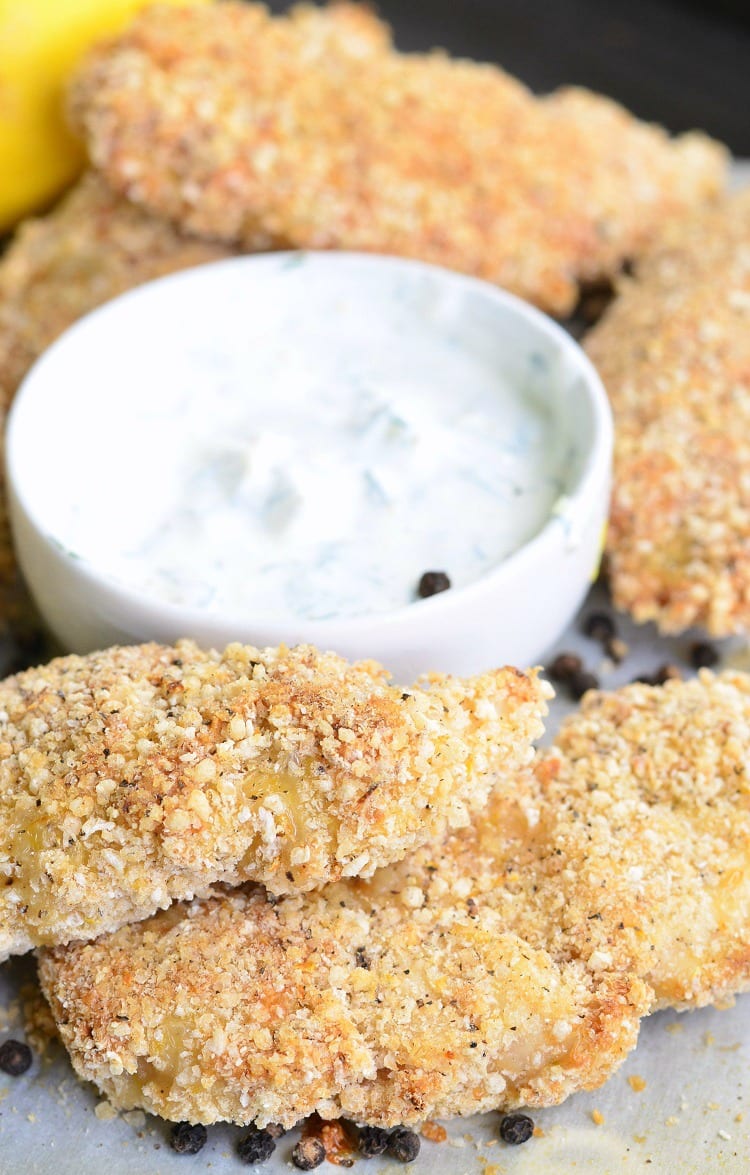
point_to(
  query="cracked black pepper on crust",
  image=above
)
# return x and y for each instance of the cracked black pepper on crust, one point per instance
(312, 128)
(138, 775)
(509, 966)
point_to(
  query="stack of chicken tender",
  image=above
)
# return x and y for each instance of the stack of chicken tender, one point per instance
(265, 883)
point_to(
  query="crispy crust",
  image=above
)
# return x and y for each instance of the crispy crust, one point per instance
(650, 788)
(312, 127)
(94, 246)
(436, 988)
(674, 354)
(509, 966)
(139, 775)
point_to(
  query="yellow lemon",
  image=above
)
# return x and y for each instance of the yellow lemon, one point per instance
(41, 41)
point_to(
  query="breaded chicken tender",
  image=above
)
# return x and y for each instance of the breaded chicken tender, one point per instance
(649, 789)
(312, 128)
(509, 966)
(674, 353)
(93, 246)
(440, 987)
(135, 776)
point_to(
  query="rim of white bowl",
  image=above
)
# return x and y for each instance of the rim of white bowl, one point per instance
(595, 468)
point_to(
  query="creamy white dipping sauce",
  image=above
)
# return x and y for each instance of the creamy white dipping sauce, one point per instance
(322, 466)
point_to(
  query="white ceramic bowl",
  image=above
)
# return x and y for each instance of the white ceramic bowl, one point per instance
(68, 415)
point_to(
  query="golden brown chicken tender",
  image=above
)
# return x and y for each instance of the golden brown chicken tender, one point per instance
(312, 128)
(674, 353)
(650, 791)
(440, 987)
(508, 966)
(135, 776)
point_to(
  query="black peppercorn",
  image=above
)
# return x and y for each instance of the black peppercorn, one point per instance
(516, 1128)
(703, 655)
(581, 683)
(666, 673)
(431, 583)
(308, 1154)
(403, 1145)
(564, 666)
(372, 1141)
(187, 1139)
(599, 626)
(256, 1147)
(15, 1057)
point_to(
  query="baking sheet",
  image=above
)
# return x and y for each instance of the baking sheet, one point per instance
(688, 1115)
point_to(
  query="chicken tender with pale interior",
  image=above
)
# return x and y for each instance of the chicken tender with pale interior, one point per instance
(509, 965)
(135, 776)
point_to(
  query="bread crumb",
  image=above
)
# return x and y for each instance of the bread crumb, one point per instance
(597, 1117)
(636, 1083)
(39, 1027)
(105, 1112)
(434, 1132)
(135, 1118)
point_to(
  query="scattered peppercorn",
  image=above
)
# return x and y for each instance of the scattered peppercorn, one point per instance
(308, 1154)
(594, 301)
(431, 583)
(187, 1139)
(703, 655)
(564, 666)
(580, 683)
(372, 1141)
(15, 1057)
(403, 1145)
(660, 676)
(599, 626)
(256, 1147)
(666, 673)
(516, 1128)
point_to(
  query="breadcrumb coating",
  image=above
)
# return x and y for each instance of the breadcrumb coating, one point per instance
(138, 775)
(650, 792)
(314, 129)
(511, 965)
(674, 353)
(93, 246)
(436, 988)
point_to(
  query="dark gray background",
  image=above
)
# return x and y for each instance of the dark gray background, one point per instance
(685, 64)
